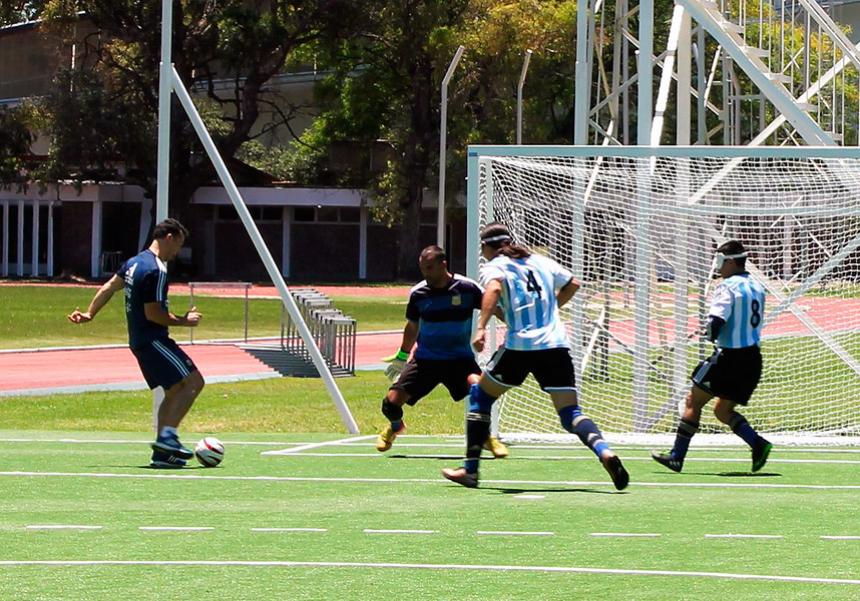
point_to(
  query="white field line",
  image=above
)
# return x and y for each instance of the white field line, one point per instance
(177, 528)
(61, 527)
(588, 457)
(432, 566)
(766, 536)
(316, 445)
(427, 481)
(530, 497)
(453, 445)
(627, 534)
(829, 537)
(375, 531)
(512, 533)
(289, 529)
(146, 441)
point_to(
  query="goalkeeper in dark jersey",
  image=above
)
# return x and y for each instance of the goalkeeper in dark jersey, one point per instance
(439, 319)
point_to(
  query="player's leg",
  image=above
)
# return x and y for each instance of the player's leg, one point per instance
(724, 410)
(416, 380)
(165, 364)
(688, 425)
(458, 378)
(503, 372)
(743, 371)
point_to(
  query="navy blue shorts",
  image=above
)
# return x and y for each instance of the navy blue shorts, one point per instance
(163, 363)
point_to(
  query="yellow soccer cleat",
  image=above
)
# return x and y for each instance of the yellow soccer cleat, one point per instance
(386, 438)
(495, 446)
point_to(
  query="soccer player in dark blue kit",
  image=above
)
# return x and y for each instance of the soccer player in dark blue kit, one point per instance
(439, 318)
(161, 361)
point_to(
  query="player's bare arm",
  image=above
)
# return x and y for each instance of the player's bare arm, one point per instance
(158, 314)
(489, 305)
(101, 298)
(566, 292)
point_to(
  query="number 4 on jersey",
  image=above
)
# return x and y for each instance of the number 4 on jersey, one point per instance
(532, 285)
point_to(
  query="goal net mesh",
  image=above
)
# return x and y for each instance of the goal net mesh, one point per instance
(640, 235)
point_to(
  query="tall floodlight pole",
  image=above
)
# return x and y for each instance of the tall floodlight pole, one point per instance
(443, 135)
(164, 90)
(520, 84)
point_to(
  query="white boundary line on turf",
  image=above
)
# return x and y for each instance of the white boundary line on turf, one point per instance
(176, 528)
(573, 483)
(289, 529)
(61, 527)
(512, 533)
(583, 457)
(627, 534)
(841, 537)
(315, 445)
(141, 441)
(375, 531)
(434, 566)
(765, 536)
(525, 447)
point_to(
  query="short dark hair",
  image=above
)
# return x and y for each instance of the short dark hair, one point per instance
(436, 253)
(169, 226)
(733, 247)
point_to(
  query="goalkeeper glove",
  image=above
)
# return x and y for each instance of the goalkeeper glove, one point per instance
(396, 364)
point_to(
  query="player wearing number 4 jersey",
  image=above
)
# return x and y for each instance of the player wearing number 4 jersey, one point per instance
(733, 371)
(530, 289)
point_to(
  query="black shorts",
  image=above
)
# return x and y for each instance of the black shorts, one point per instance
(163, 363)
(420, 376)
(552, 368)
(730, 373)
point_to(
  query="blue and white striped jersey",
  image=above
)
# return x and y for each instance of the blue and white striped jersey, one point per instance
(528, 300)
(739, 301)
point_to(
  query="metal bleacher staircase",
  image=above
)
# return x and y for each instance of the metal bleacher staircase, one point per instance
(333, 331)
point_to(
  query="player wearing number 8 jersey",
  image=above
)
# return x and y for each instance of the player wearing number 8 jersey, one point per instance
(733, 371)
(530, 289)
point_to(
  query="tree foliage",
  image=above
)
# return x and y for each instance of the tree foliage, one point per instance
(103, 114)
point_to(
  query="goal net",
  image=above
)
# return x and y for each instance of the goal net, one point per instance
(639, 227)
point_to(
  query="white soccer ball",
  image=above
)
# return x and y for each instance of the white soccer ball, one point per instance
(209, 451)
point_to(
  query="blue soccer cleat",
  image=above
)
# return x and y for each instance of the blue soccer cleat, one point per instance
(172, 446)
(165, 461)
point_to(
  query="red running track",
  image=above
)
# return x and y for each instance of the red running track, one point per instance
(112, 368)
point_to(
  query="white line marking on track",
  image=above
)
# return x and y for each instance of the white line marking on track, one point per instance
(841, 537)
(61, 527)
(627, 534)
(316, 445)
(572, 483)
(767, 536)
(414, 566)
(289, 529)
(512, 533)
(177, 528)
(374, 531)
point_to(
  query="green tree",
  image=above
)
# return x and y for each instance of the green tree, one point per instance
(385, 85)
(104, 112)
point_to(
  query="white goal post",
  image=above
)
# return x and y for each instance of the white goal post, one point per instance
(638, 227)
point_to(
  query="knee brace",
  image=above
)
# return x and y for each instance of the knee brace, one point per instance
(391, 411)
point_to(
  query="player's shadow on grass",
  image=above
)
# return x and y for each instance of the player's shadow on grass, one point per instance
(734, 474)
(522, 491)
